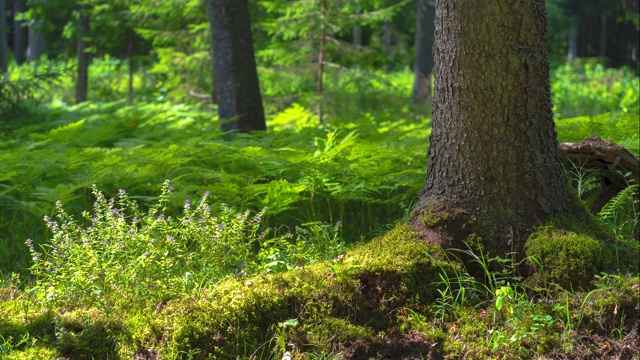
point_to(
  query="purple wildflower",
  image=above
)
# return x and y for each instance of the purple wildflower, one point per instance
(122, 192)
(29, 242)
(187, 203)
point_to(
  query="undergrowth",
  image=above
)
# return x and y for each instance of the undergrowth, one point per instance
(289, 200)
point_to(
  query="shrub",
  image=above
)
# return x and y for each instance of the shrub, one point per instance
(125, 256)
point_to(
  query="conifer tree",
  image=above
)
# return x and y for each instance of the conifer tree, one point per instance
(494, 169)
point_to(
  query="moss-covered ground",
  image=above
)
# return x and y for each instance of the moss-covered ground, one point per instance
(392, 298)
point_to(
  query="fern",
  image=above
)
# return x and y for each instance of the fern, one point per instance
(620, 213)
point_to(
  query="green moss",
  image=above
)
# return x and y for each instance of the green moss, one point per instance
(616, 300)
(84, 333)
(570, 252)
(34, 352)
(334, 302)
(331, 334)
(360, 292)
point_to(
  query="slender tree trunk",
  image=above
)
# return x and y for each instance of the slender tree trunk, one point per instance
(572, 51)
(494, 169)
(83, 58)
(35, 48)
(323, 13)
(356, 33)
(131, 66)
(214, 92)
(4, 47)
(234, 64)
(603, 36)
(387, 40)
(423, 64)
(19, 32)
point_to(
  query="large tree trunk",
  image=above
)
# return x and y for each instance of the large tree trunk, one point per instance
(234, 64)
(494, 169)
(19, 32)
(423, 65)
(83, 59)
(4, 47)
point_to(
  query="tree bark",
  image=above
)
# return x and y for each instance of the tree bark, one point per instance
(234, 64)
(35, 47)
(83, 58)
(4, 47)
(423, 65)
(494, 169)
(19, 32)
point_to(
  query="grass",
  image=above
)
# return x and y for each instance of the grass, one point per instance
(275, 242)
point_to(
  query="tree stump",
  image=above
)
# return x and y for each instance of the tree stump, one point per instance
(610, 161)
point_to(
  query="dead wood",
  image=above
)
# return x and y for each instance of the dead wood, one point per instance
(608, 160)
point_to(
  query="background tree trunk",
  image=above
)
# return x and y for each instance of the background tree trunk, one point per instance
(130, 52)
(234, 64)
(494, 169)
(19, 32)
(423, 64)
(323, 13)
(35, 48)
(83, 58)
(4, 47)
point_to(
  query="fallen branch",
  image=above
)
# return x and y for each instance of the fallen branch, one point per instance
(608, 159)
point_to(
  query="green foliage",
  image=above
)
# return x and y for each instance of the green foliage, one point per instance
(590, 89)
(621, 215)
(18, 99)
(125, 257)
(623, 129)
(314, 175)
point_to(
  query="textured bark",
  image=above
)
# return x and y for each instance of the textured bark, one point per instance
(234, 64)
(494, 168)
(423, 64)
(19, 32)
(4, 47)
(83, 59)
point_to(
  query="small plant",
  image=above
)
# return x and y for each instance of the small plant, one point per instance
(123, 256)
(9, 344)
